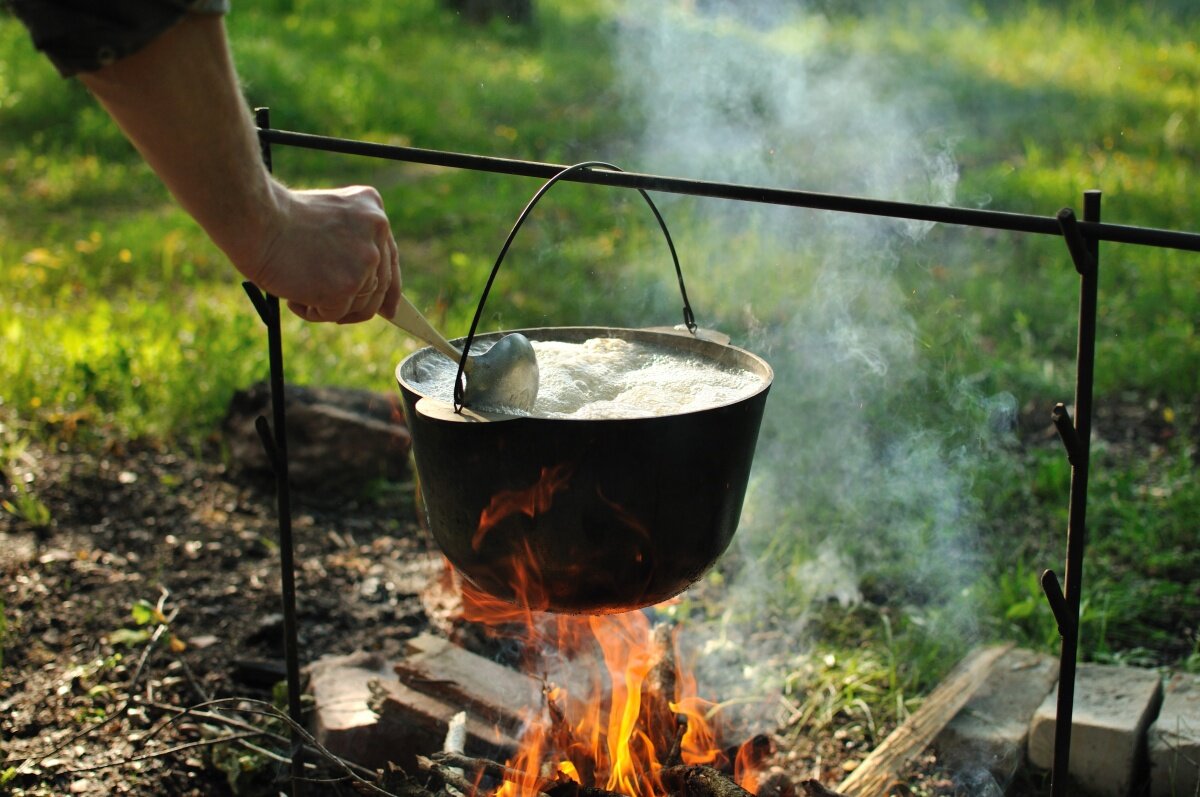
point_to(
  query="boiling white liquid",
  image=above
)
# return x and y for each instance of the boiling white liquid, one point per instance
(611, 378)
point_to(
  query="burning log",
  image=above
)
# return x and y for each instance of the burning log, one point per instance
(700, 781)
(658, 691)
(482, 767)
(476, 769)
(570, 788)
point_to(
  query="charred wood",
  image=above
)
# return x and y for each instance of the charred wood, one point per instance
(813, 788)
(775, 782)
(569, 788)
(658, 692)
(481, 767)
(447, 776)
(700, 781)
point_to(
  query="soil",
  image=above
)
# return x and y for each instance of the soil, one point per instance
(180, 533)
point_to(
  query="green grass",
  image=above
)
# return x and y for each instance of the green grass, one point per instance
(119, 318)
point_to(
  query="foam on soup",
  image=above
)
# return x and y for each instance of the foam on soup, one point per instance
(609, 379)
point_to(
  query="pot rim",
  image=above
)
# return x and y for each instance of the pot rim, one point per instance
(441, 409)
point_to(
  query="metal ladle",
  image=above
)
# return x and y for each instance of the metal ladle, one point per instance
(504, 376)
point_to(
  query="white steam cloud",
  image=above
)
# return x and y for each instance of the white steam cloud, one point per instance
(748, 93)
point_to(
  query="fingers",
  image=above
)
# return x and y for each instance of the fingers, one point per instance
(335, 259)
(391, 297)
(370, 298)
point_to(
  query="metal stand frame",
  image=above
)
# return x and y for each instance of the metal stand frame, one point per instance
(1082, 239)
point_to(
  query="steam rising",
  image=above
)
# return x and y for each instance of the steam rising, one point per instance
(848, 494)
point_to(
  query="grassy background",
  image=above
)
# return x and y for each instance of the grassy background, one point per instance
(119, 319)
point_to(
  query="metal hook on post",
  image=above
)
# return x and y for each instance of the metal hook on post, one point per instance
(1077, 245)
(1058, 603)
(1066, 432)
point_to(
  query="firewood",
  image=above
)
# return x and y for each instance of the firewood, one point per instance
(775, 782)
(813, 788)
(658, 691)
(411, 721)
(879, 770)
(570, 788)
(446, 775)
(700, 781)
(445, 671)
(660, 680)
(478, 767)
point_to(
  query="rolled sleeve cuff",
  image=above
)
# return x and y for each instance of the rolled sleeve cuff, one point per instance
(84, 35)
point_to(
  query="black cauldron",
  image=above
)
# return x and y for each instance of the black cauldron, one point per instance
(586, 516)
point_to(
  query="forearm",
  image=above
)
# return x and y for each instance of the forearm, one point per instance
(178, 102)
(174, 93)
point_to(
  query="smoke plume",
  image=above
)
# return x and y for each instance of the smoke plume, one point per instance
(847, 493)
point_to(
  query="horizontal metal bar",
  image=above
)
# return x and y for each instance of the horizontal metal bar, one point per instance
(971, 217)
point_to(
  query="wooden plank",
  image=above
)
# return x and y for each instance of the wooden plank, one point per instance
(880, 769)
(437, 667)
(411, 723)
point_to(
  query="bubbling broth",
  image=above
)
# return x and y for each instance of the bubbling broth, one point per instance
(610, 378)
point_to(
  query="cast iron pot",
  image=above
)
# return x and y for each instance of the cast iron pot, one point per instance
(592, 516)
(578, 516)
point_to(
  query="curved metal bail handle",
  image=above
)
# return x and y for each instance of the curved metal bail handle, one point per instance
(689, 319)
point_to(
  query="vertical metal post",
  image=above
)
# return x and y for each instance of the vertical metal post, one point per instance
(1077, 438)
(276, 444)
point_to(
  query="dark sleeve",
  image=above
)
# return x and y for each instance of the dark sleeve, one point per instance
(84, 35)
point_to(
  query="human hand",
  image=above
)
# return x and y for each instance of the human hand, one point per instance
(329, 253)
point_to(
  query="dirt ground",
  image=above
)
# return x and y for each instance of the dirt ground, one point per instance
(182, 535)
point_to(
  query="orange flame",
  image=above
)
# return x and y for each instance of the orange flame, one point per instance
(618, 731)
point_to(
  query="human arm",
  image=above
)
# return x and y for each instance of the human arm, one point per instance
(329, 253)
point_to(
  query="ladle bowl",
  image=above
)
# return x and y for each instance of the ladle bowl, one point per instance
(505, 377)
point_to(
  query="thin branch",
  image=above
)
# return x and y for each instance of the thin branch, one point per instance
(482, 766)
(238, 724)
(448, 775)
(179, 748)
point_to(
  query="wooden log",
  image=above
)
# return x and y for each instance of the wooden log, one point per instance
(436, 667)
(658, 691)
(700, 781)
(410, 722)
(570, 788)
(879, 770)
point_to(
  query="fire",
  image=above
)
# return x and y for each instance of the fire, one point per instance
(628, 712)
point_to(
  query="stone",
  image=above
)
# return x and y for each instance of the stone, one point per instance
(342, 720)
(1173, 740)
(991, 731)
(1113, 708)
(339, 439)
